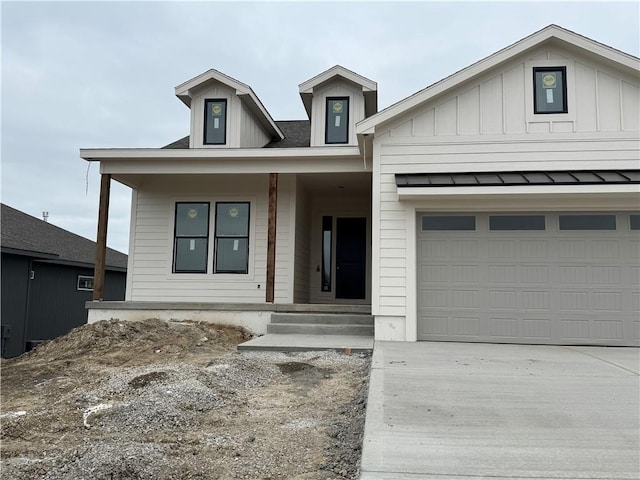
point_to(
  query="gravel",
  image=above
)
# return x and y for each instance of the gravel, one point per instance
(156, 400)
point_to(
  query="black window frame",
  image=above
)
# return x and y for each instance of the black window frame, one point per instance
(326, 266)
(326, 121)
(190, 237)
(216, 237)
(207, 102)
(565, 105)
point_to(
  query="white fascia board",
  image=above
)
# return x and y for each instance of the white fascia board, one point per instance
(369, 87)
(244, 166)
(151, 154)
(244, 91)
(366, 84)
(416, 193)
(527, 43)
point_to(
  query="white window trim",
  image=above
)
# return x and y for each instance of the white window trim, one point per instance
(532, 117)
(78, 283)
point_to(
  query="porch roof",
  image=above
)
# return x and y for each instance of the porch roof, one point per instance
(494, 179)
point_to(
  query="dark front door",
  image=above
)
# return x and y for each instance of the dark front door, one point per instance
(351, 257)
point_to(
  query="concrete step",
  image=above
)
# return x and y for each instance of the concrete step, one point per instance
(307, 343)
(319, 329)
(324, 319)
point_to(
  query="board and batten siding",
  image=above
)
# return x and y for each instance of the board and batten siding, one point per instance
(251, 133)
(601, 99)
(242, 129)
(487, 124)
(151, 277)
(335, 88)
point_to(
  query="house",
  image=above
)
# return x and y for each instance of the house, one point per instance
(47, 277)
(501, 204)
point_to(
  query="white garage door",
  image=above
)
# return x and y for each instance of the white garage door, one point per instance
(548, 278)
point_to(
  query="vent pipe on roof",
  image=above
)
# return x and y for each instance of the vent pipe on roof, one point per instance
(45, 216)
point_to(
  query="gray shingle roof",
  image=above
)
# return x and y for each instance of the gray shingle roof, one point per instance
(22, 233)
(297, 134)
(179, 144)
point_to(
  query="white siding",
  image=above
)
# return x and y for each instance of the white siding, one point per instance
(302, 245)
(152, 244)
(600, 100)
(335, 88)
(242, 128)
(485, 125)
(251, 133)
(285, 240)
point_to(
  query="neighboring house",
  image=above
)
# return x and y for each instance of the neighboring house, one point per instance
(47, 277)
(501, 204)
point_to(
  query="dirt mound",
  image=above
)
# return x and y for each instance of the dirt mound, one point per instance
(110, 341)
(171, 400)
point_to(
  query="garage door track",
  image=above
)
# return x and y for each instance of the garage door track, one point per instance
(454, 410)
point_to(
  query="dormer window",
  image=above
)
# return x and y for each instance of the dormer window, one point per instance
(337, 121)
(215, 122)
(550, 90)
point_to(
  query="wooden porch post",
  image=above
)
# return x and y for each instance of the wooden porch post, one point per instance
(271, 235)
(101, 243)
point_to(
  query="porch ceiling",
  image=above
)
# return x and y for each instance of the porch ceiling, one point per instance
(337, 183)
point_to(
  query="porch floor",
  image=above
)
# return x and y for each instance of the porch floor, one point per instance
(304, 343)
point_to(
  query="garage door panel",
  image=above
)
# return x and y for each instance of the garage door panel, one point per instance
(605, 275)
(534, 273)
(538, 287)
(605, 249)
(572, 249)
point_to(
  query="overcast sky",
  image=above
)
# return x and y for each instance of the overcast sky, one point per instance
(90, 75)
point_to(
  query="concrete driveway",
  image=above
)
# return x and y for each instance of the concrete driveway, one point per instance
(454, 410)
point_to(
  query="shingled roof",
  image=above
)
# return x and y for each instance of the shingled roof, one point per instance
(23, 234)
(297, 134)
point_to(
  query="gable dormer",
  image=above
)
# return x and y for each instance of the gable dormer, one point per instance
(226, 113)
(335, 101)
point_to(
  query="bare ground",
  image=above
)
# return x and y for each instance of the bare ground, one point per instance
(174, 400)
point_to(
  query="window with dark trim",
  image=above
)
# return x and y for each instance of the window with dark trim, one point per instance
(337, 120)
(191, 237)
(327, 241)
(516, 222)
(232, 237)
(215, 122)
(448, 222)
(549, 90)
(587, 222)
(85, 283)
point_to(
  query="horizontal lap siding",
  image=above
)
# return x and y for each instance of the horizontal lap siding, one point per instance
(391, 248)
(483, 125)
(302, 245)
(152, 246)
(283, 285)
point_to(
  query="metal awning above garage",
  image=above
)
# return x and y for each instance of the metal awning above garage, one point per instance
(543, 178)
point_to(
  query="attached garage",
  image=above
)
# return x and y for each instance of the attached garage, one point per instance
(557, 278)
